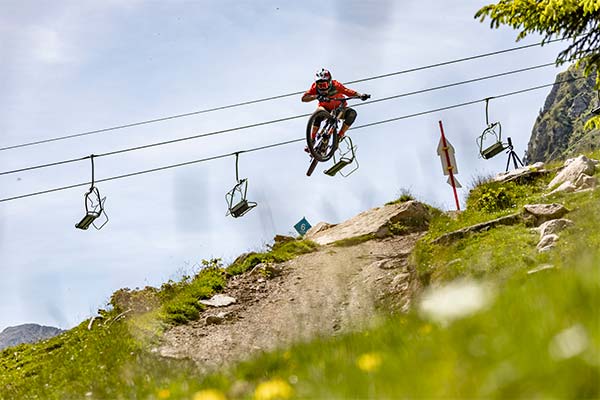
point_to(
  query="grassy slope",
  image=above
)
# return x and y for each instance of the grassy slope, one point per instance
(539, 336)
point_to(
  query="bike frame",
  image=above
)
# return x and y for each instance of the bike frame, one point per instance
(337, 112)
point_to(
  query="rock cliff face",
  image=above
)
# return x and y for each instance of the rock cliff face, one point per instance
(559, 129)
(27, 333)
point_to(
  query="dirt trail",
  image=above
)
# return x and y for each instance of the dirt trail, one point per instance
(336, 289)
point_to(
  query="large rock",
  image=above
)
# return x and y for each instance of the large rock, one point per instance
(412, 216)
(219, 300)
(537, 214)
(318, 228)
(553, 226)
(547, 243)
(574, 167)
(522, 174)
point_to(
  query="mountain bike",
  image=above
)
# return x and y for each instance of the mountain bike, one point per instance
(326, 141)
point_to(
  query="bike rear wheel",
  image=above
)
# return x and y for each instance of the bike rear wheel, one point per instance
(326, 141)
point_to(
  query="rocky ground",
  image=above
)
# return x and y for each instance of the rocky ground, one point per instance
(336, 289)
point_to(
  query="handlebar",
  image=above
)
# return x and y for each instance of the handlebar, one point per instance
(368, 96)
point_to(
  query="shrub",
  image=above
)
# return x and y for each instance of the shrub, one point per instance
(279, 252)
(495, 196)
(181, 299)
(405, 195)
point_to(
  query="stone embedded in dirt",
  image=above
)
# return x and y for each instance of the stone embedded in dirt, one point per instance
(547, 242)
(553, 226)
(537, 214)
(219, 318)
(566, 187)
(272, 270)
(219, 300)
(573, 167)
(412, 216)
(584, 182)
(481, 227)
(214, 320)
(400, 278)
(381, 264)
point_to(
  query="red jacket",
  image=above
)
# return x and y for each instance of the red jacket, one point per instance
(336, 90)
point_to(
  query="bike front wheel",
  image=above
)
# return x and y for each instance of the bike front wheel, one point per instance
(325, 143)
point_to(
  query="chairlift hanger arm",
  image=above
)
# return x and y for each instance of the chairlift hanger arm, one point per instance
(487, 103)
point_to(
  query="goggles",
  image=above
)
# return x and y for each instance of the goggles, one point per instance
(322, 85)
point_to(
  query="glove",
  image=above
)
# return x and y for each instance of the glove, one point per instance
(364, 97)
(321, 97)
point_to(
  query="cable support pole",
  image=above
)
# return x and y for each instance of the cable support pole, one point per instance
(278, 120)
(286, 142)
(249, 102)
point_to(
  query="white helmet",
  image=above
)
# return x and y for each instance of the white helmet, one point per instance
(323, 80)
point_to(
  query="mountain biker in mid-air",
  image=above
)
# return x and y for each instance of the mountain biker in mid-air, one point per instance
(324, 89)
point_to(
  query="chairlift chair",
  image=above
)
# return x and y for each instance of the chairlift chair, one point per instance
(345, 157)
(94, 206)
(493, 130)
(237, 204)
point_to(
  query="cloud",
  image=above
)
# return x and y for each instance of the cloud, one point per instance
(48, 46)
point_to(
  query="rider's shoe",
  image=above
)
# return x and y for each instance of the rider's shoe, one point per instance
(306, 149)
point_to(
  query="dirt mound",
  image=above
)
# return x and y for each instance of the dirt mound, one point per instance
(335, 289)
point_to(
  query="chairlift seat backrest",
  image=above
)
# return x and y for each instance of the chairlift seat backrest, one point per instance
(87, 220)
(338, 166)
(347, 157)
(493, 150)
(241, 208)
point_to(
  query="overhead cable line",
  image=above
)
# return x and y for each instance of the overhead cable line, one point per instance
(270, 122)
(249, 102)
(286, 142)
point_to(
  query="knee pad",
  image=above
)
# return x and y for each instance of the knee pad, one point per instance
(350, 116)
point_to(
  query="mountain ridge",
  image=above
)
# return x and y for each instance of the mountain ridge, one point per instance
(559, 131)
(26, 333)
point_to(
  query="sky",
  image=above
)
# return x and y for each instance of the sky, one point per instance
(71, 67)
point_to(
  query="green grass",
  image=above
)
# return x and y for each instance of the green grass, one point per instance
(277, 253)
(353, 241)
(110, 361)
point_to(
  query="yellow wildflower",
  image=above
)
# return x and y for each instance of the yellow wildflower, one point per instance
(273, 389)
(209, 394)
(164, 394)
(369, 362)
(425, 329)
